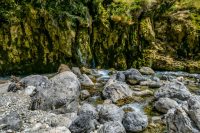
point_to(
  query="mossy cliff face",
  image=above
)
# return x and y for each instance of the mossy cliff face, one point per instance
(36, 36)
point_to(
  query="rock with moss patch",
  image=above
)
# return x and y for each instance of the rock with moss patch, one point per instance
(116, 90)
(147, 71)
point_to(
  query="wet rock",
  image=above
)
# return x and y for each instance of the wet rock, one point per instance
(133, 76)
(120, 76)
(11, 121)
(76, 71)
(84, 123)
(112, 127)
(109, 112)
(88, 109)
(63, 68)
(86, 81)
(146, 71)
(62, 96)
(165, 104)
(178, 121)
(84, 94)
(173, 89)
(116, 90)
(135, 121)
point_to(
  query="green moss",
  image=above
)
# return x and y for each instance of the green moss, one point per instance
(128, 100)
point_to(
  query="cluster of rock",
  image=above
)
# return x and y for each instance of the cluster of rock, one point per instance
(64, 103)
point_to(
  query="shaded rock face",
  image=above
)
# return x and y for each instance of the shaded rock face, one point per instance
(62, 96)
(116, 90)
(173, 90)
(112, 127)
(85, 123)
(178, 121)
(135, 121)
(109, 112)
(99, 33)
(88, 109)
(185, 118)
(133, 76)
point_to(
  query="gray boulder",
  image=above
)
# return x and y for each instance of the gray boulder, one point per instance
(194, 109)
(135, 121)
(133, 76)
(88, 109)
(112, 127)
(109, 112)
(178, 121)
(165, 104)
(84, 123)
(116, 90)
(147, 71)
(173, 89)
(61, 97)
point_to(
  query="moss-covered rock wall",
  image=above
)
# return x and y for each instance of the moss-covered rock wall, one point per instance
(38, 35)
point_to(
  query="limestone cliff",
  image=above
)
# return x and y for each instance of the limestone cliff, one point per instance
(38, 35)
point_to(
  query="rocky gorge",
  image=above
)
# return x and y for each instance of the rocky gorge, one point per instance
(86, 100)
(120, 34)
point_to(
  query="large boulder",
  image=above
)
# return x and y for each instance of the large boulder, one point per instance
(116, 90)
(62, 96)
(84, 123)
(165, 104)
(109, 112)
(87, 108)
(178, 121)
(112, 127)
(147, 71)
(135, 121)
(173, 89)
(194, 109)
